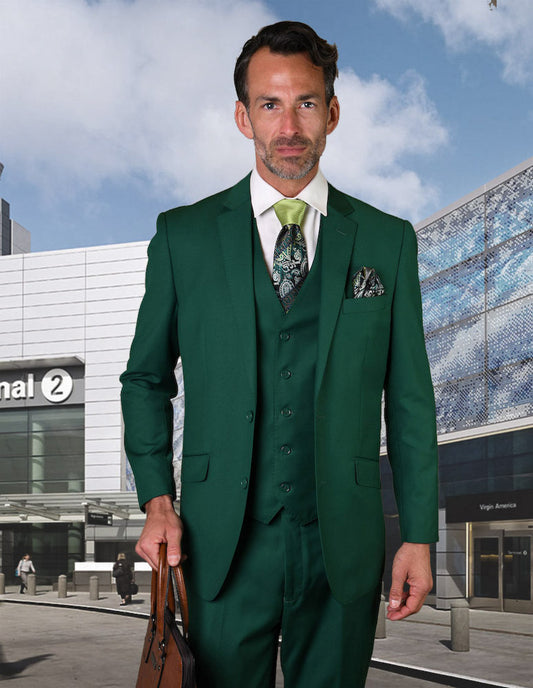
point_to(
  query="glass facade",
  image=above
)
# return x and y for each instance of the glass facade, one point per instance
(493, 463)
(476, 272)
(42, 450)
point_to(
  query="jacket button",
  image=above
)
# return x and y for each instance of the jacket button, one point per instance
(286, 412)
(244, 483)
(285, 449)
(286, 487)
(285, 374)
(284, 336)
(250, 416)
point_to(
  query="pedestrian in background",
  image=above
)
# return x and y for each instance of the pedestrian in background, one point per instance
(123, 575)
(25, 566)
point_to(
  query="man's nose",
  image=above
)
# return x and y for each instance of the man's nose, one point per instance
(289, 122)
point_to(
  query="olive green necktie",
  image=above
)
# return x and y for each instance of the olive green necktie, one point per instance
(290, 254)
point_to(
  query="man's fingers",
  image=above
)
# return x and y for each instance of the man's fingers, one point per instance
(150, 555)
(411, 604)
(173, 553)
(162, 525)
(396, 603)
(396, 593)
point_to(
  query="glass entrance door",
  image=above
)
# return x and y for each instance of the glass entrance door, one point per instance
(501, 573)
(487, 566)
(516, 572)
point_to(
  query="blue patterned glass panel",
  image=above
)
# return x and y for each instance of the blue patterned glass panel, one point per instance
(510, 270)
(511, 392)
(130, 480)
(510, 208)
(454, 295)
(478, 306)
(457, 351)
(509, 331)
(461, 404)
(451, 239)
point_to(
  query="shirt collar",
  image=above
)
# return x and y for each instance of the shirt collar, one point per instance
(264, 196)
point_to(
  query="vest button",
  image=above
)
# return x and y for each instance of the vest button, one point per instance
(286, 487)
(284, 336)
(244, 483)
(285, 449)
(285, 374)
(250, 416)
(286, 412)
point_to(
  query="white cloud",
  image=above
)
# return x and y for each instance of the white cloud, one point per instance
(99, 91)
(380, 126)
(507, 30)
(122, 90)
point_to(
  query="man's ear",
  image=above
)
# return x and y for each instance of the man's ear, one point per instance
(333, 115)
(242, 120)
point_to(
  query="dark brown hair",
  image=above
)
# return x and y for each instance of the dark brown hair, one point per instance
(288, 38)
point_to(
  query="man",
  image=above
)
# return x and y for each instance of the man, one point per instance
(290, 321)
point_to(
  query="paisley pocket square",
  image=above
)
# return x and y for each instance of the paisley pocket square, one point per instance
(366, 282)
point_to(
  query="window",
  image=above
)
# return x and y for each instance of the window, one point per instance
(42, 450)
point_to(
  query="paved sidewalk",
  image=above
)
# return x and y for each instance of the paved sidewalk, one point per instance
(501, 646)
(501, 643)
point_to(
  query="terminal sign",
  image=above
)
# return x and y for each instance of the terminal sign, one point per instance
(56, 387)
(18, 389)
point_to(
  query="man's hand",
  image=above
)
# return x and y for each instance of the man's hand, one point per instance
(162, 525)
(411, 565)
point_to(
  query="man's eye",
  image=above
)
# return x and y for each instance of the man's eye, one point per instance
(308, 105)
(269, 106)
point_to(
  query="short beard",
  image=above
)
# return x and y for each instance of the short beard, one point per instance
(291, 167)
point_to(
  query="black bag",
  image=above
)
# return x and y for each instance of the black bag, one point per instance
(134, 588)
(167, 660)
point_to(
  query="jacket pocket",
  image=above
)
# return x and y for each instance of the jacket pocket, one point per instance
(367, 472)
(194, 468)
(365, 304)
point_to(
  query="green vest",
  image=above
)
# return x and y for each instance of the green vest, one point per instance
(283, 471)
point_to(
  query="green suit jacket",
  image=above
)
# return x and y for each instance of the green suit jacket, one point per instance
(199, 303)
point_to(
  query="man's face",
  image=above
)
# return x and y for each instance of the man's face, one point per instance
(287, 117)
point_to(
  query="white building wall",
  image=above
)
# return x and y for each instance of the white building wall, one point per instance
(80, 302)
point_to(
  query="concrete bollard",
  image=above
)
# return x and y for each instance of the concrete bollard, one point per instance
(62, 586)
(94, 588)
(32, 584)
(381, 630)
(2, 583)
(460, 625)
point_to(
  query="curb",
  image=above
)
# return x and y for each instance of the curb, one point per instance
(82, 607)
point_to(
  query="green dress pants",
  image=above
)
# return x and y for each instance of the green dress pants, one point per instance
(277, 585)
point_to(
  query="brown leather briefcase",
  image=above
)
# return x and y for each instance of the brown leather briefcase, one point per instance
(167, 660)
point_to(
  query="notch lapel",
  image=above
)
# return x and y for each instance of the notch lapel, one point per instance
(338, 231)
(235, 234)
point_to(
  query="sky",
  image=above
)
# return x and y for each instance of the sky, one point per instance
(114, 110)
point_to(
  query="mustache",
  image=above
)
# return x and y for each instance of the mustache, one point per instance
(294, 142)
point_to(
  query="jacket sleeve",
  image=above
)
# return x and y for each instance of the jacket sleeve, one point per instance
(149, 383)
(410, 406)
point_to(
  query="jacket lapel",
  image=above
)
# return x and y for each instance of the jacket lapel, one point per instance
(338, 230)
(235, 233)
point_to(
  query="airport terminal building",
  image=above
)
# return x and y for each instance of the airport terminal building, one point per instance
(67, 494)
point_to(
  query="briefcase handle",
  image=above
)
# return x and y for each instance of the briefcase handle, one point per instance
(163, 592)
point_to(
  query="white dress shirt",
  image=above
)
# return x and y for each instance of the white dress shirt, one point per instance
(315, 194)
